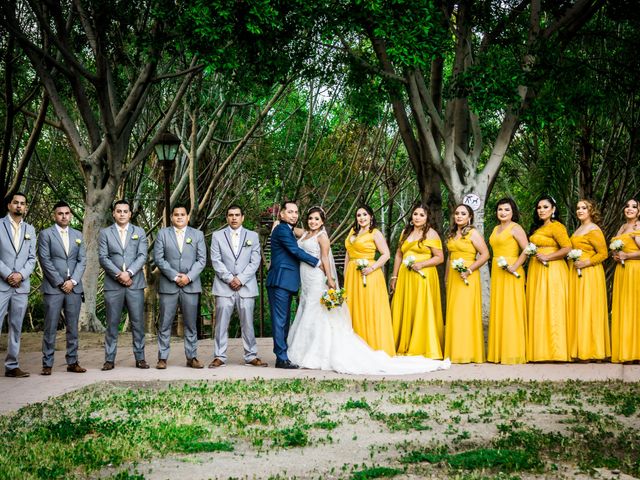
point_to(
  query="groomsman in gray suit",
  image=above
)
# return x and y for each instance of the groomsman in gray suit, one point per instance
(122, 249)
(181, 254)
(235, 255)
(63, 261)
(17, 261)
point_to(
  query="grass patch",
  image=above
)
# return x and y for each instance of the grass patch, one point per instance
(481, 459)
(376, 472)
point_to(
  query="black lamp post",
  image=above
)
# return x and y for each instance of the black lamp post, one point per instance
(167, 151)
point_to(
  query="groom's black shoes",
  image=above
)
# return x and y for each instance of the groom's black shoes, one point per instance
(286, 364)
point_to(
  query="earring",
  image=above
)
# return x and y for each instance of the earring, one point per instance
(411, 222)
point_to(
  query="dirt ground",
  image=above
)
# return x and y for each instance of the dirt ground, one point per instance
(459, 417)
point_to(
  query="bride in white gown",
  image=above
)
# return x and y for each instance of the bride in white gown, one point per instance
(323, 339)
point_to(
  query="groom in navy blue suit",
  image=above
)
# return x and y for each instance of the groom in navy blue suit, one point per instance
(283, 279)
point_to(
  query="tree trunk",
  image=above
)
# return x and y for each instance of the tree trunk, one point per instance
(151, 298)
(96, 208)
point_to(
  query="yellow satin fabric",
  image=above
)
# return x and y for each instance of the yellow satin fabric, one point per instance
(369, 306)
(548, 298)
(464, 338)
(508, 314)
(625, 305)
(588, 325)
(416, 309)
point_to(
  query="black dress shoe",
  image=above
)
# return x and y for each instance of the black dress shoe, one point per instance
(286, 364)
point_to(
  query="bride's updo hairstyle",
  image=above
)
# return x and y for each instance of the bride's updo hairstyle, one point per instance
(369, 210)
(319, 210)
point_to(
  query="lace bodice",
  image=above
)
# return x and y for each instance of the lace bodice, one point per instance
(313, 282)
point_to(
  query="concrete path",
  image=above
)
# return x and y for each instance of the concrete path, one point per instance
(16, 393)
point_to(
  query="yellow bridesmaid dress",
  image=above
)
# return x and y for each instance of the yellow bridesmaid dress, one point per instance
(508, 314)
(464, 339)
(369, 306)
(416, 308)
(548, 298)
(588, 324)
(625, 306)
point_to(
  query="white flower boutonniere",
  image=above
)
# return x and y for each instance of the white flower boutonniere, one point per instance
(27, 236)
(188, 240)
(78, 241)
(248, 243)
(135, 236)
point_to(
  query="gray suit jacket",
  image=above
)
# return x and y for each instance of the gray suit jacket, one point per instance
(112, 256)
(56, 264)
(171, 261)
(22, 261)
(227, 265)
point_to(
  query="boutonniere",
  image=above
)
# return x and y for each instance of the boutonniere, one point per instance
(27, 236)
(78, 241)
(188, 240)
(248, 243)
(135, 236)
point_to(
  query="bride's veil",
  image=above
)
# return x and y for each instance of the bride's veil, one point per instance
(332, 263)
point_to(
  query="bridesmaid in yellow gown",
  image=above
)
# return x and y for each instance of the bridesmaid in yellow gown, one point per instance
(367, 296)
(548, 286)
(508, 314)
(588, 325)
(625, 307)
(464, 338)
(416, 310)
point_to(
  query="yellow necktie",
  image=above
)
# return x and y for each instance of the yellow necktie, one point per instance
(180, 237)
(235, 239)
(16, 234)
(123, 236)
(65, 240)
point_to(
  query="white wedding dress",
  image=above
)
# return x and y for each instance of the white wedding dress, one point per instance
(324, 339)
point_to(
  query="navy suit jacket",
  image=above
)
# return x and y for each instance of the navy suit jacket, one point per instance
(286, 256)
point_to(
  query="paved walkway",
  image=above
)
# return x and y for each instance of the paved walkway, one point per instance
(16, 393)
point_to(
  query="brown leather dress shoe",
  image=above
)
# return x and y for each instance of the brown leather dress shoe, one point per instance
(142, 364)
(46, 371)
(15, 373)
(256, 362)
(75, 368)
(194, 363)
(217, 363)
(161, 365)
(107, 366)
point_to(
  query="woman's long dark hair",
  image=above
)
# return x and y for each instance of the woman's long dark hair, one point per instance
(537, 223)
(409, 227)
(466, 229)
(372, 225)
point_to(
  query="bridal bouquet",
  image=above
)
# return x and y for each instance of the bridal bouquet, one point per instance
(574, 255)
(333, 298)
(409, 261)
(361, 264)
(617, 246)
(503, 264)
(531, 250)
(459, 266)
